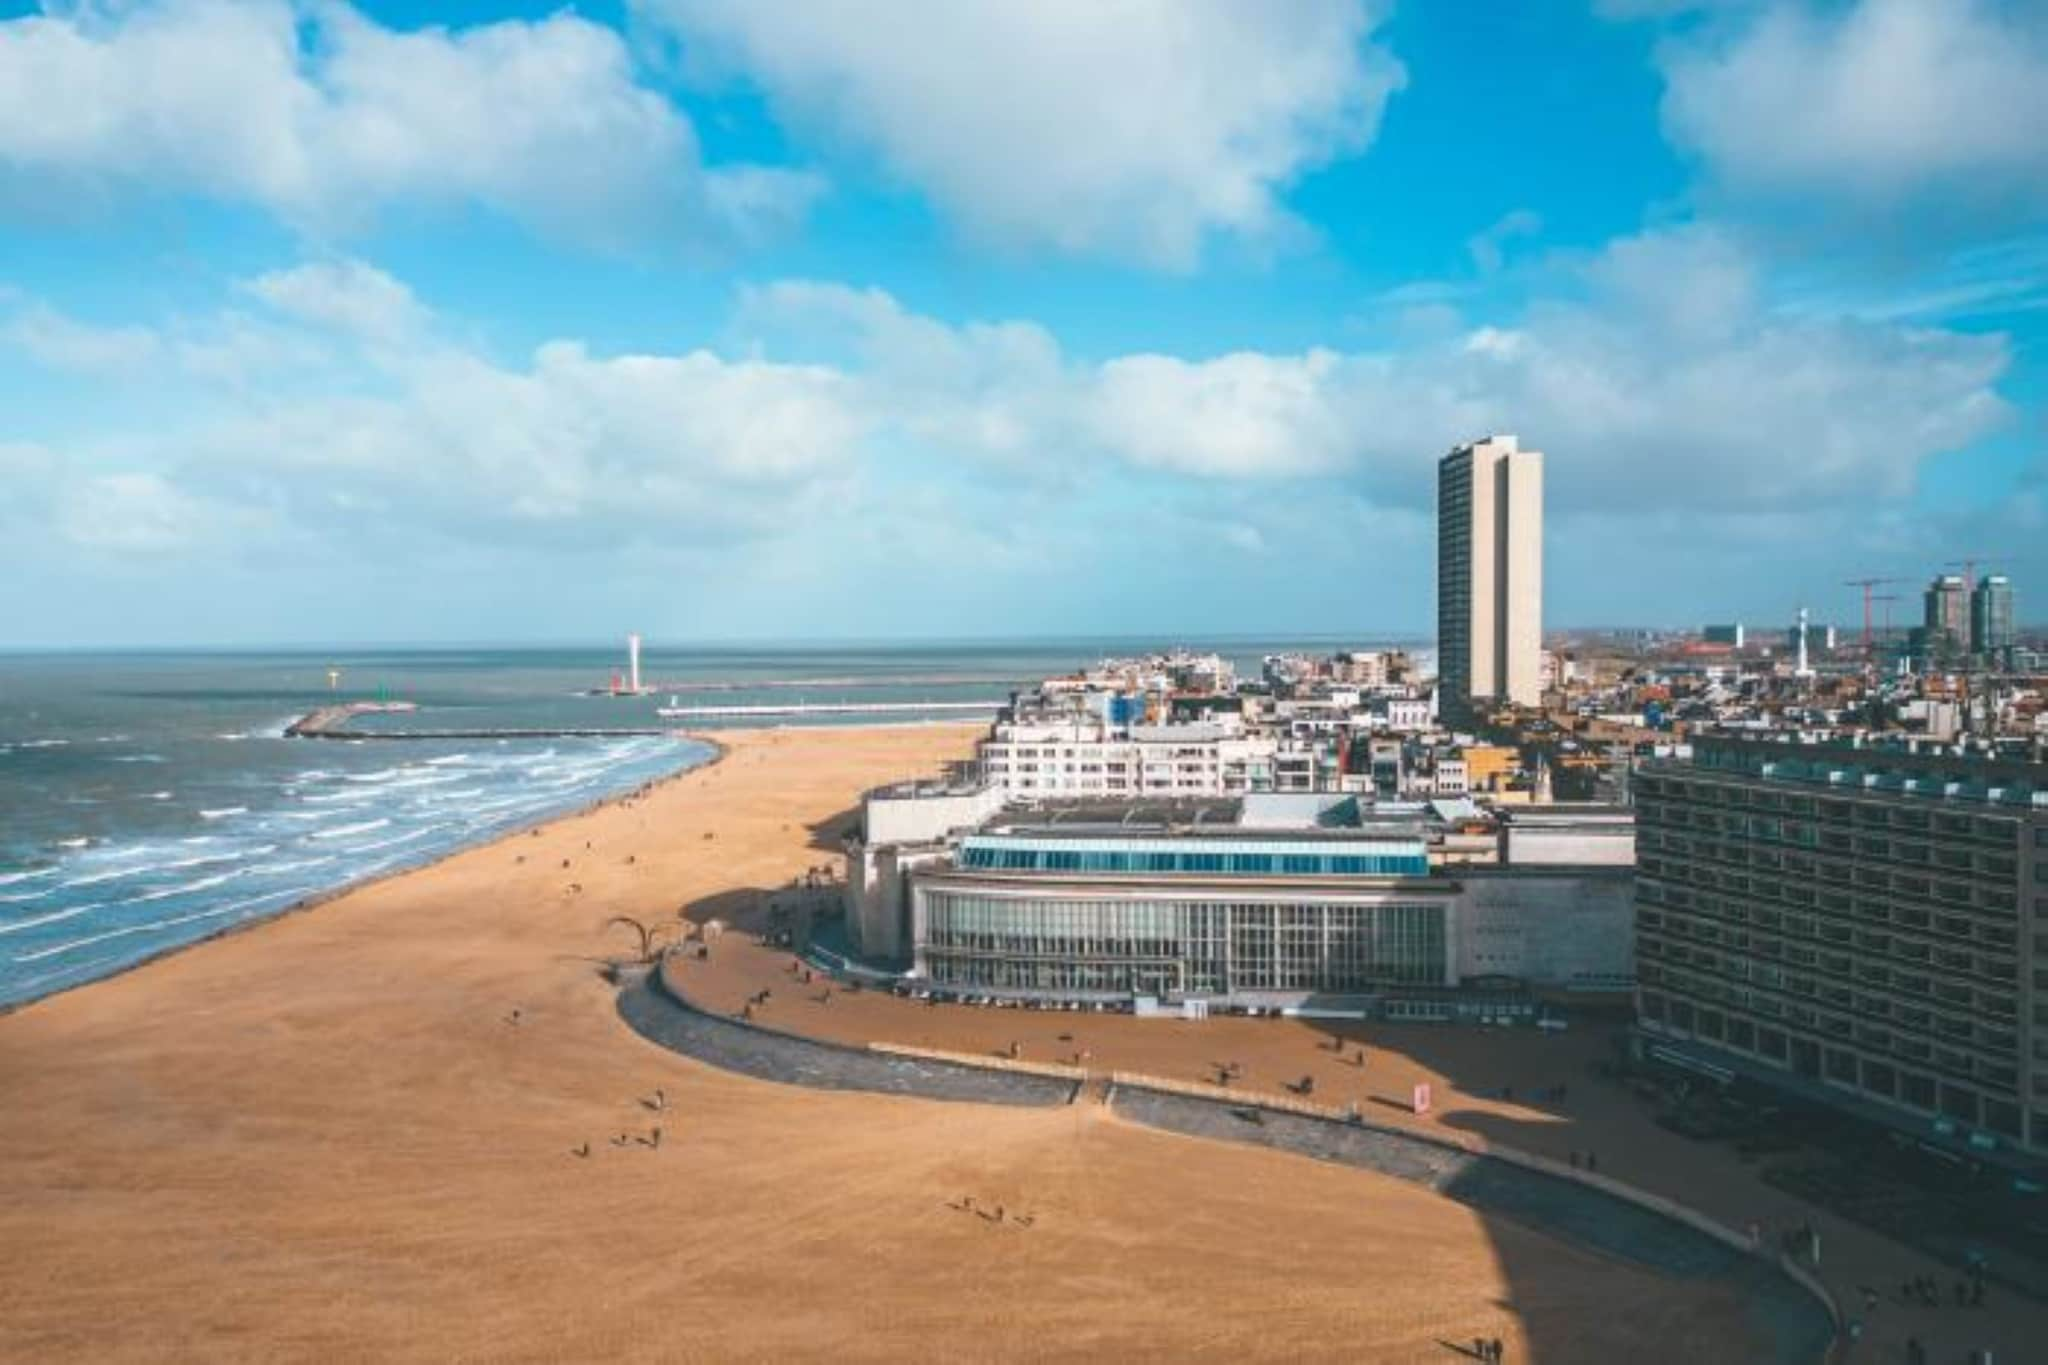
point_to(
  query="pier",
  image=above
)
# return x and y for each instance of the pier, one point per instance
(336, 722)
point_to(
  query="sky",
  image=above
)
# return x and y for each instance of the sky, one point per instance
(715, 319)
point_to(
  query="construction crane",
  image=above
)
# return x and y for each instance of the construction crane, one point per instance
(1867, 584)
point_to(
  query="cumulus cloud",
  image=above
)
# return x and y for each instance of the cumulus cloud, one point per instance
(322, 116)
(1664, 381)
(1236, 416)
(1668, 378)
(1876, 98)
(349, 296)
(144, 513)
(63, 343)
(1133, 129)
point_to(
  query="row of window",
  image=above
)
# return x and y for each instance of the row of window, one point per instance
(1205, 947)
(1949, 1055)
(1906, 931)
(1997, 1033)
(1895, 815)
(1767, 850)
(1878, 1078)
(1782, 884)
(1903, 960)
(1001, 858)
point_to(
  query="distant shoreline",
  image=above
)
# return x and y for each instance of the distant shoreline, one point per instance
(719, 750)
(319, 898)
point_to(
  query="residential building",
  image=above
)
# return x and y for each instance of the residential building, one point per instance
(1857, 924)
(1088, 755)
(1489, 576)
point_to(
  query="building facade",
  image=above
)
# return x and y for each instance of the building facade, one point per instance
(1489, 576)
(1262, 902)
(1088, 756)
(1856, 924)
(1991, 624)
(1946, 614)
(1213, 918)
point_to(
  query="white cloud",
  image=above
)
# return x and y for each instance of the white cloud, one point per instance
(1669, 379)
(1875, 98)
(1245, 415)
(568, 446)
(1132, 129)
(1489, 248)
(62, 343)
(141, 513)
(1665, 383)
(323, 116)
(347, 295)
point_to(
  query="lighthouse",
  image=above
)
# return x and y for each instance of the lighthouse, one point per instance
(633, 665)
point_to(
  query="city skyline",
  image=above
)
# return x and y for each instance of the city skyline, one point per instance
(747, 328)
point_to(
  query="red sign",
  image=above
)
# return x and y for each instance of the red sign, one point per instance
(1421, 1099)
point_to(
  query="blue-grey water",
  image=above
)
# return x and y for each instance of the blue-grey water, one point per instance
(151, 800)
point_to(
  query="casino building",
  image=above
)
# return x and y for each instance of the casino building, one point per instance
(1258, 901)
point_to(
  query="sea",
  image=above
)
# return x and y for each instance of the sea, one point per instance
(151, 800)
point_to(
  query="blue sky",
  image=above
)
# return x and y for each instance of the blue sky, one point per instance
(715, 319)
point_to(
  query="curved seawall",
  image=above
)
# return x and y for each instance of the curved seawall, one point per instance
(1792, 1314)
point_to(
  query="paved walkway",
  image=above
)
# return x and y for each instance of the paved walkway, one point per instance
(661, 1018)
(1795, 1323)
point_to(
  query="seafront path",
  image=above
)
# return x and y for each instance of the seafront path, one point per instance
(1792, 1311)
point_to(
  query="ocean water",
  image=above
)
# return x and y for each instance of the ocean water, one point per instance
(150, 800)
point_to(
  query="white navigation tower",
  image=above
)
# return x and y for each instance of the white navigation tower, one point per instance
(633, 664)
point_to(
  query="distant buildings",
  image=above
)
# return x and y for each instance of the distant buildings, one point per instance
(1489, 576)
(1946, 616)
(1819, 638)
(1991, 628)
(1724, 635)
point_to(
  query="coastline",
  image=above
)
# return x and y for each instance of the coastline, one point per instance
(328, 895)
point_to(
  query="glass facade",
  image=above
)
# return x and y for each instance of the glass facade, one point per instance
(1078, 943)
(1213, 857)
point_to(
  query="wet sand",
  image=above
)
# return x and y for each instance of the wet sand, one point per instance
(352, 1133)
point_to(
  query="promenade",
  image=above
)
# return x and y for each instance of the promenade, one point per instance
(1796, 1325)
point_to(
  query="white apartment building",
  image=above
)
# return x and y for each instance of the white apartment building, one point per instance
(1408, 715)
(1090, 757)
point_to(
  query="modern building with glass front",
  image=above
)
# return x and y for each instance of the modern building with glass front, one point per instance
(1860, 925)
(1270, 902)
(1216, 916)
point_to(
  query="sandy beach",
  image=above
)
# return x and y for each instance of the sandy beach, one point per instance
(351, 1133)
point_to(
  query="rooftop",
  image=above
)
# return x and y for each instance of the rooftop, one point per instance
(1877, 769)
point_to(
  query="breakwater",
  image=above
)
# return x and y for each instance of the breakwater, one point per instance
(338, 722)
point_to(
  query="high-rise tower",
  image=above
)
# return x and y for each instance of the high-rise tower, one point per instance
(1947, 616)
(1489, 577)
(1991, 632)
